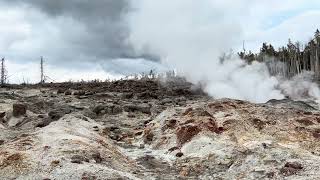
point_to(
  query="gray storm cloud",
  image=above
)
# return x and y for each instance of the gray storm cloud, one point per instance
(88, 30)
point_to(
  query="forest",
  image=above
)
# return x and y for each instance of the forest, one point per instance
(289, 60)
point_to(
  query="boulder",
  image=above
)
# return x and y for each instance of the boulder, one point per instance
(2, 115)
(97, 157)
(111, 109)
(60, 91)
(291, 168)
(19, 110)
(82, 97)
(127, 95)
(79, 93)
(79, 159)
(186, 133)
(147, 95)
(98, 109)
(89, 93)
(54, 115)
(58, 113)
(144, 108)
(67, 92)
(148, 136)
(179, 154)
(116, 109)
(166, 101)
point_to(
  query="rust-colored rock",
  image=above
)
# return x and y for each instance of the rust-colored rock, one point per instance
(316, 133)
(317, 119)
(187, 111)
(199, 112)
(14, 160)
(307, 113)
(257, 123)
(186, 133)
(171, 123)
(228, 124)
(55, 163)
(211, 125)
(305, 121)
(184, 172)
(224, 105)
(148, 136)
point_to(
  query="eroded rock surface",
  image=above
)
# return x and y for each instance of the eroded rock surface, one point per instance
(147, 130)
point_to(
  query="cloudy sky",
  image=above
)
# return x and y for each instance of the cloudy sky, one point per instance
(88, 39)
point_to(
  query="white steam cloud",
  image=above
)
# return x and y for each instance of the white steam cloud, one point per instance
(235, 79)
(301, 87)
(182, 33)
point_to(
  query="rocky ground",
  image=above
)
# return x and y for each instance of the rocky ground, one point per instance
(152, 130)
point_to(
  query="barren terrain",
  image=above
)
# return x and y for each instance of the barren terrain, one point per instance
(145, 129)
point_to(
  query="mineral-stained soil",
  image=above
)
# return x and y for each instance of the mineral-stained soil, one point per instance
(147, 129)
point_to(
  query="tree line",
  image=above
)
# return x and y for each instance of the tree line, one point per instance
(289, 60)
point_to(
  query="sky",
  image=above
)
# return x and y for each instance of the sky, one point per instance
(105, 39)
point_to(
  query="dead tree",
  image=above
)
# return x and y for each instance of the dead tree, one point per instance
(3, 73)
(42, 77)
(294, 56)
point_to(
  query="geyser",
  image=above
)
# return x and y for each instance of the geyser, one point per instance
(191, 37)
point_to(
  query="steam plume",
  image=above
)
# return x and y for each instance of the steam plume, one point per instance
(188, 42)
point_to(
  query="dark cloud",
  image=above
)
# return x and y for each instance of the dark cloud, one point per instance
(101, 30)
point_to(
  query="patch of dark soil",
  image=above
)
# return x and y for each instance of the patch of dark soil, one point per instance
(291, 168)
(305, 121)
(19, 109)
(151, 162)
(78, 159)
(41, 106)
(257, 123)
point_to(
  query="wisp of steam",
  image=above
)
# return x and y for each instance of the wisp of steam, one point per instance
(186, 40)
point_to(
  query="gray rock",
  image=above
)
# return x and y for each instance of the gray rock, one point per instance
(54, 115)
(60, 91)
(98, 109)
(67, 92)
(97, 157)
(2, 115)
(89, 93)
(79, 93)
(82, 97)
(79, 159)
(166, 101)
(127, 95)
(58, 113)
(19, 110)
(144, 108)
(288, 103)
(111, 109)
(117, 109)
